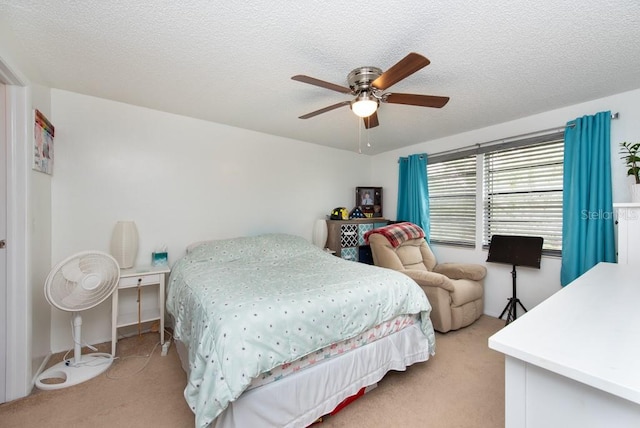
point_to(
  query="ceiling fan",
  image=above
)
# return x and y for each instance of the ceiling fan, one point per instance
(368, 84)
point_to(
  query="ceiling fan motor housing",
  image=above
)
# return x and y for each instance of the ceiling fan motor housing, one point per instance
(360, 78)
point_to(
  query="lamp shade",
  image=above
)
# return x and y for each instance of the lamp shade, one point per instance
(124, 243)
(319, 237)
(364, 105)
(364, 108)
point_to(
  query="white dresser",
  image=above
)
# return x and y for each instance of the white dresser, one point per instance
(628, 215)
(574, 360)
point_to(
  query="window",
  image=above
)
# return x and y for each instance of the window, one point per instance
(523, 193)
(521, 185)
(452, 201)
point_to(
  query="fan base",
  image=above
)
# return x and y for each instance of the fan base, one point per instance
(90, 366)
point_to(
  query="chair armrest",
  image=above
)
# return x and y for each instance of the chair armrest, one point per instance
(470, 271)
(425, 278)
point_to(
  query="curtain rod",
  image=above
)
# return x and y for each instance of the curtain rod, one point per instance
(500, 141)
(614, 116)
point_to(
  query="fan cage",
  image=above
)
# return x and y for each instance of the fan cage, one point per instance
(69, 295)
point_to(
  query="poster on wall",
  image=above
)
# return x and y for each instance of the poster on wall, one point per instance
(43, 144)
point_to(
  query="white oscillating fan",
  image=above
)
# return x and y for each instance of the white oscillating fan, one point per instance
(77, 283)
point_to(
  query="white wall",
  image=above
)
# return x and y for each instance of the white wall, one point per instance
(181, 180)
(534, 285)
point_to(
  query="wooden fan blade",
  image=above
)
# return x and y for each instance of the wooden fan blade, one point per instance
(403, 68)
(321, 83)
(371, 121)
(416, 100)
(324, 110)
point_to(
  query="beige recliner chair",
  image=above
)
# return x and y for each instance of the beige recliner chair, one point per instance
(455, 290)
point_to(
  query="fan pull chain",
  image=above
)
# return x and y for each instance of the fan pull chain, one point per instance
(359, 136)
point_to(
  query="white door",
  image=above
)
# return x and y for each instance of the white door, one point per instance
(3, 251)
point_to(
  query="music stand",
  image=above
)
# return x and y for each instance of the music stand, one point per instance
(516, 251)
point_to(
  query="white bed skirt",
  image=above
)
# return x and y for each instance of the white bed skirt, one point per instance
(299, 399)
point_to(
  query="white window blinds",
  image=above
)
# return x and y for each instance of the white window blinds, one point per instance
(452, 201)
(523, 193)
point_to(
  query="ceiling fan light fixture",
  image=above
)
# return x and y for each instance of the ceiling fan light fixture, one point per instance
(364, 105)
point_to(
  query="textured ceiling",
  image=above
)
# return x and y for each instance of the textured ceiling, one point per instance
(231, 61)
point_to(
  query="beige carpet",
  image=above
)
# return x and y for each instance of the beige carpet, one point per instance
(461, 386)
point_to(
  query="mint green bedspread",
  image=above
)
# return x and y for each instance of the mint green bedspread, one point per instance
(246, 305)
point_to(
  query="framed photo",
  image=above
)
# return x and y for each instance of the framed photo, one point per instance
(369, 200)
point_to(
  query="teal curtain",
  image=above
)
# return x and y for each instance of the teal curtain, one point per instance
(413, 192)
(587, 207)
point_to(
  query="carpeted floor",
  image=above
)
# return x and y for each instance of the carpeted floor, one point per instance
(461, 386)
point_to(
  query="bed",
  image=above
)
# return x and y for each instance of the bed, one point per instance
(273, 331)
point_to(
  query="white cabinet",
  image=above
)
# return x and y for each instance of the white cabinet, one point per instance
(628, 215)
(572, 361)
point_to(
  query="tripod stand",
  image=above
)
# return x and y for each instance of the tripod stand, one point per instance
(512, 304)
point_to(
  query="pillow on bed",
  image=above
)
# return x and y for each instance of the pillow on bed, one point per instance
(195, 245)
(270, 246)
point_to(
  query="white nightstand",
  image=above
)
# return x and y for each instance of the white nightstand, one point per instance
(138, 277)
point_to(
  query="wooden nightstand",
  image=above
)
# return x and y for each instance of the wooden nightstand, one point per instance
(131, 280)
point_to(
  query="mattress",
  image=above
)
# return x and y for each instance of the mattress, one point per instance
(335, 349)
